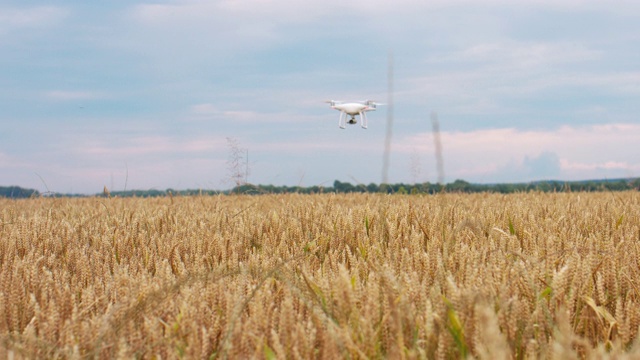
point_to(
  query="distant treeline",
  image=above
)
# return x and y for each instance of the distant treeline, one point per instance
(17, 192)
(458, 186)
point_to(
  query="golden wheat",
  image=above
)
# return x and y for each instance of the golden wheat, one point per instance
(322, 276)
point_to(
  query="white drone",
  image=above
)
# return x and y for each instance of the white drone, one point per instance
(352, 109)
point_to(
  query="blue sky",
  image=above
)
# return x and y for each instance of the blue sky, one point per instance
(145, 94)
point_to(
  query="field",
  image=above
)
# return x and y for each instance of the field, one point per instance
(528, 275)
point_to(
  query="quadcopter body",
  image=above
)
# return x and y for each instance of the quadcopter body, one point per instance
(353, 109)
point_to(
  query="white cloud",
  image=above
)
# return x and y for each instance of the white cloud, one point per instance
(606, 165)
(261, 11)
(296, 8)
(204, 109)
(623, 83)
(203, 112)
(63, 95)
(509, 154)
(147, 146)
(484, 78)
(306, 147)
(13, 19)
(524, 55)
(203, 26)
(211, 112)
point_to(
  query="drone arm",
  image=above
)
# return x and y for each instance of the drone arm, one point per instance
(371, 105)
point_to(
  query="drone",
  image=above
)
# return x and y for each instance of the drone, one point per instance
(353, 109)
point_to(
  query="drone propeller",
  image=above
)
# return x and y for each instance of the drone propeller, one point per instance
(372, 104)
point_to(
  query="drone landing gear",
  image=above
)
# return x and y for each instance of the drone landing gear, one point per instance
(363, 116)
(342, 120)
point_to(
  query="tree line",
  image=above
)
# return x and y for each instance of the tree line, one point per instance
(458, 186)
(16, 192)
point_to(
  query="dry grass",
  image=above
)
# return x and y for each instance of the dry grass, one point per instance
(322, 276)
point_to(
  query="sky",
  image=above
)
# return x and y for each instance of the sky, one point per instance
(146, 95)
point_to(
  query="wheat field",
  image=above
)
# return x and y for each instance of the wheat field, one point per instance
(359, 276)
